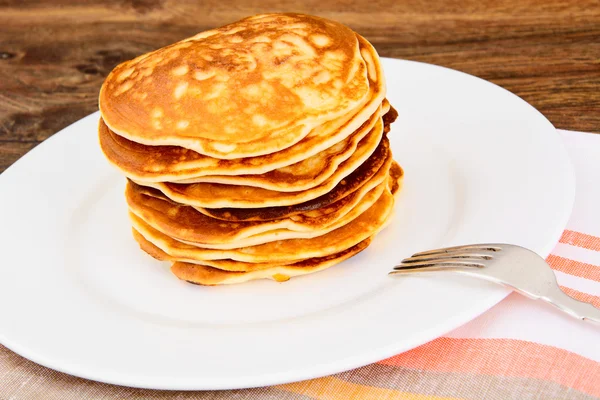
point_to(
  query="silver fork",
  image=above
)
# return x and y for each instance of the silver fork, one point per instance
(509, 265)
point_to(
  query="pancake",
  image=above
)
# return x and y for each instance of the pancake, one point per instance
(215, 195)
(375, 170)
(364, 226)
(187, 224)
(225, 265)
(172, 218)
(250, 88)
(209, 233)
(308, 173)
(207, 276)
(376, 167)
(171, 163)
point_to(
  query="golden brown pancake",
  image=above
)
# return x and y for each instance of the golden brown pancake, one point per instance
(207, 276)
(210, 233)
(307, 173)
(323, 205)
(253, 87)
(215, 195)
(225, 265)
(367, 224)
(170, 217)
(171, 163)
(186, 224)
(376, 168)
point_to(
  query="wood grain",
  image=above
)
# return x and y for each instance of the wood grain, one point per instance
(54, 54)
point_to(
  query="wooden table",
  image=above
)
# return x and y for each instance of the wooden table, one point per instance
(54, 54)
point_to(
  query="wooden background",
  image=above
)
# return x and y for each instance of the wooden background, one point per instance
(54, 54)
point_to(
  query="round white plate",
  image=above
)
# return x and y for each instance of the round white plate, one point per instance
(78, 295)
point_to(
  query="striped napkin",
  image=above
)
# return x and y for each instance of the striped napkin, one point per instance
(520, 349)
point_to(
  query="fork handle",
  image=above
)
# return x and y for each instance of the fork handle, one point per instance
(573, 307)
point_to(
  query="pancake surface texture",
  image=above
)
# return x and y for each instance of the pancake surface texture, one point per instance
(160, 163)
(257, 150)
(253, 87)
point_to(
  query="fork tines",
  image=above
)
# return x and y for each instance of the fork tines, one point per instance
(458, 256)
(467, 248)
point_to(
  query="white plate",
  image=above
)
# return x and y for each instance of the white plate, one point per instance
(77, 294)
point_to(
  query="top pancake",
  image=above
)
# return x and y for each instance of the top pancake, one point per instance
(250, 88)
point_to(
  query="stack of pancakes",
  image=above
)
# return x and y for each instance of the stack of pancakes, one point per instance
(256, 150)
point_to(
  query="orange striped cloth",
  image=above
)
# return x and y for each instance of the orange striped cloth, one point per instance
(520, 349)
